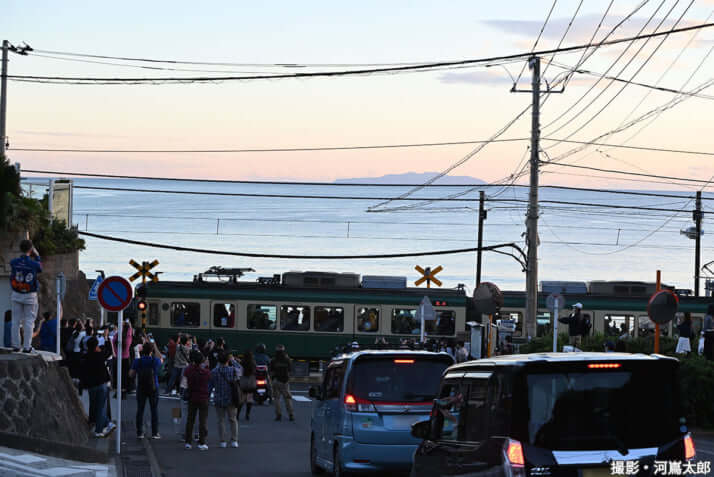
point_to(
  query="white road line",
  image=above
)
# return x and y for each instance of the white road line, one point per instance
(301, 399)
(60, 471)
(23, 458)
(22, 469)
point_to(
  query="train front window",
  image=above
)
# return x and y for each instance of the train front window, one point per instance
(368, 320)
(262, 317)
(224, 315)
(295, 318)
(186, 314)
(329, 318)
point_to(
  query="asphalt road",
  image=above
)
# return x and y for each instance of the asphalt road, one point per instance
(267, 448)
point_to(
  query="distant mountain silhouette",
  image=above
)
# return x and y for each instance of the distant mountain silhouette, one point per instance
(412, 178)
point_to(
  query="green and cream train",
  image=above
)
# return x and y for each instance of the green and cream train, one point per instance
(313, 312)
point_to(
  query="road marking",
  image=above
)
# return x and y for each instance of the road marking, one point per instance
(23, 458)
(301, 399)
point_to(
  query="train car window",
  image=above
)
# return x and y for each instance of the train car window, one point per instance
(295, 318)
(619, 325)
(186, 314)
(329, 318)
(544, 324)
(404, 321)
(262, 317)
(153, 314)
(368, 320)
(445, 323)
(516, 319)
(224, 315)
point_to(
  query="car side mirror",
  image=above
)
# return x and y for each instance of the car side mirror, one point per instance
(420, 429)
(314, 393)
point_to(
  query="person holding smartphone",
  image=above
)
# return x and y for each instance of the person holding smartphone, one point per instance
(23, 280)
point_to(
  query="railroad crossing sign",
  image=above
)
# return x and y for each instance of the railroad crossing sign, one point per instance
(428, 276)
(143, 271)
(114, 293)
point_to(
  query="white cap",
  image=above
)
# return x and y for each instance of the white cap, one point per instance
(578, 305)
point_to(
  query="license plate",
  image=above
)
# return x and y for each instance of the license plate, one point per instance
(401, 422)
(601, 472)
(261, 391)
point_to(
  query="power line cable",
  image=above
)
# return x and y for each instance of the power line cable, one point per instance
(612, 65)
(613, 171)
(363, 71)
(562, 38)
(272, 149)
(300, 257)
(624, 86)
(535, 44)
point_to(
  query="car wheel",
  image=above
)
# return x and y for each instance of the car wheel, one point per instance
(314, 468)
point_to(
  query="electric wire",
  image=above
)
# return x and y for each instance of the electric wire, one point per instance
(535, 44)
(624, 86)
(356, 72)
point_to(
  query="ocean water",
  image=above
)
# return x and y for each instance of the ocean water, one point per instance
(577, 242)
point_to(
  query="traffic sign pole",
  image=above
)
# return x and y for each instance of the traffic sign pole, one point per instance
(59, 312)
(423, 323)
(656, 336)
(555, 326)
(120, 354)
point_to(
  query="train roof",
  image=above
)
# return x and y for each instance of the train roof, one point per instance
(253, 290)
(525, 359)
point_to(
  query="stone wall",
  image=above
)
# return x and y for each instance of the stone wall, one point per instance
(38, 400)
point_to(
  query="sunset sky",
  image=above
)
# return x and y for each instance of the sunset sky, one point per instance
(453, 105)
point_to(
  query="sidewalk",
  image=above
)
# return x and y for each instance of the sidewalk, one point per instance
(136, 457)
(17, 463)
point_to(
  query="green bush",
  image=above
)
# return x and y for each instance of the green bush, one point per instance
(696, 375)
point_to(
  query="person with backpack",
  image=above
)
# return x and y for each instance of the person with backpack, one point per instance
(225, 380)
(146, 370)
(197, 380)
(280, 373)
(95, 378)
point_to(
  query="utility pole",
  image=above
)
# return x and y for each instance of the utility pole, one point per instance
(481, 218)
(532, 217)
(698, 241)
(3, 97)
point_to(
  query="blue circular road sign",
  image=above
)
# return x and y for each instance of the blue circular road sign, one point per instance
(114, 293)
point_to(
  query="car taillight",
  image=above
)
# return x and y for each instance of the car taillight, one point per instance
(689, 450)
(355, 404)
(514, 453)
(260, 382)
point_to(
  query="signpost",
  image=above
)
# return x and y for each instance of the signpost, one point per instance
(555, 302)
(143, 271)
(115, 294)
(61, 288)
(425, 313)
(428, 276)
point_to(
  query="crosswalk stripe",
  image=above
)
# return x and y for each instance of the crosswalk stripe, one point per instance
(301, 399)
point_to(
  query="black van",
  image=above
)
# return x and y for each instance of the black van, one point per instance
(555, 414)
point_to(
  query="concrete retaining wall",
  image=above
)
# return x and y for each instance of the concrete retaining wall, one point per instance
(39, 406)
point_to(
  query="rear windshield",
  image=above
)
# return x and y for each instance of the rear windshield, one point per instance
(602, 409)
(384, 380)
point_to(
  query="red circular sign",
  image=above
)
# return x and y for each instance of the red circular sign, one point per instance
(114, 293)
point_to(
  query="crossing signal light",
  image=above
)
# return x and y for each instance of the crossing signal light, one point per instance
(141, 305)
